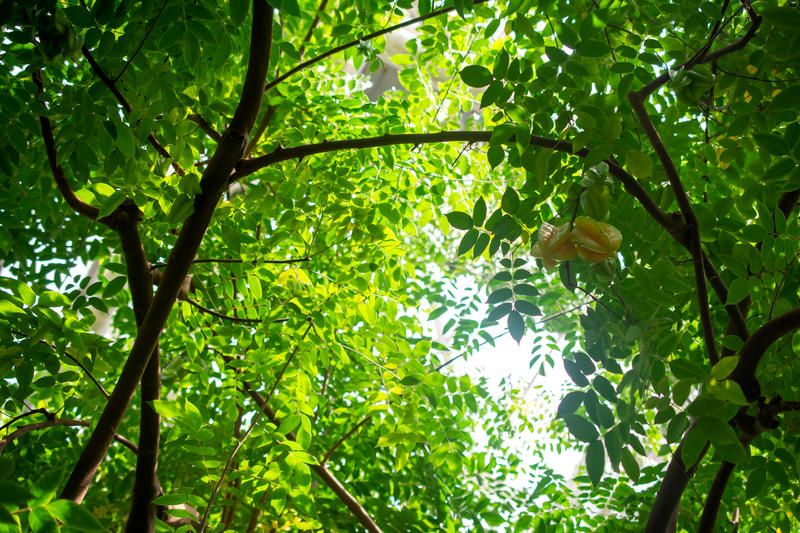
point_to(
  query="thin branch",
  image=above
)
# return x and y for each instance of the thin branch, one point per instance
(322, 5)
(316, 59)
(146, 36)
(260, 129)
(211, 312)
(238, 260)
(253, 424)
(329, 479)
(39, 411)
(70, 422)
(70, 357)
(343, 438)
(205, 126)
(112, 86)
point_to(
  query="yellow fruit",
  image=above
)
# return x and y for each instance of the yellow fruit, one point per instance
(595, 241)
(554, 244)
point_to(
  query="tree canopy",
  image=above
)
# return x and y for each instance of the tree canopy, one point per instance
(234, 238)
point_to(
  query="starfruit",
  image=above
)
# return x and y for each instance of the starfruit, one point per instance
(554, 244)
(596, 201)
(595, 241)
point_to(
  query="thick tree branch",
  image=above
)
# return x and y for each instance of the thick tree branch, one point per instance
(112, 86)
(146, 487)
(757, 345)
(213, 183)
(714, 497)
(671, 489)
(70, 422)
(355, 42)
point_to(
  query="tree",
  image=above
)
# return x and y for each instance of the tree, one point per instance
(624, 176)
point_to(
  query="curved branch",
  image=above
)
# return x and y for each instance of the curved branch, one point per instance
(20, 431)
(329, 479)
(237, 260)
(355, 42)
(757, 345)
(211, 312)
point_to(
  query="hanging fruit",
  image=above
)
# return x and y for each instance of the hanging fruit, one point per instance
(588, 239)
(554, 244)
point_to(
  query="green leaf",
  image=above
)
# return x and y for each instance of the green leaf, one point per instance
(639, 164)
(730, 391)
(75, 516)
(239, 9)
(592, 48)
(581, 428)
(570, 403)
(499, 312)
(510, 201)
(516, 325)
(479, 212)
(724, 367)
(500, 295)
(481, 244)
(629, 464)
(114, 286)
(756, 480)
(14, 493)
(716, 430)
(527, 308)
(575, 374)
(737, 291)
(685, 369)
(7, 308)
(467, 241)
(476, 76)
(459, 220)
(495, 155)
(526, 289)
(595, 461)
(693, 446)
(605, 389)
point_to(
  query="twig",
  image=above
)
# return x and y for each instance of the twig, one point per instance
(356, 42)
(147, 33)
(343, 438)
(253, 424)
(222, 316)
(238, 260)
(70, 357)
(20, 431)
(112, 86)
(39, 411)
(322, 5)
(205, 126)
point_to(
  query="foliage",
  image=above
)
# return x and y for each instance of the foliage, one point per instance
(645, 151)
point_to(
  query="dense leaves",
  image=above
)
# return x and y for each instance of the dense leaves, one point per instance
(389, 216)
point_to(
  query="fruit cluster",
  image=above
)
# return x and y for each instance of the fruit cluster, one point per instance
(588, 239)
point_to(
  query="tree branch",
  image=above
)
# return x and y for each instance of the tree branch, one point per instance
(343, 438)
(757, 345)
(213, 183)
(222, 316)
(146, 487)
(714, 497)
(637, 99)
(329, 479)
(112, 86)
(71, 358)
(355, 42)
(672, 487)
(207, 128)
(237, 260)
(70, 422)
(147, 33)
